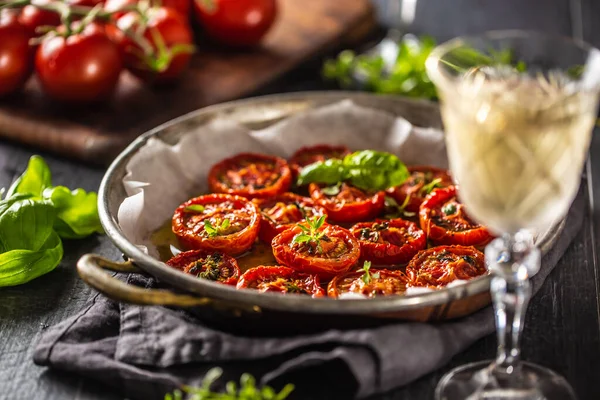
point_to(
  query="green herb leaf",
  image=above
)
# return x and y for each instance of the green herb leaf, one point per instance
(366, 277)
(25, 223)
(195, 208)
(225, 224)
(449, 209)
(34, 180)
(210, 230)
(329, 172)
(77, 212)
(302, 238)
(426, 189)
(368, 170)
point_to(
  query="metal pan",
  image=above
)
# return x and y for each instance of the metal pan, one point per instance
(220, 301)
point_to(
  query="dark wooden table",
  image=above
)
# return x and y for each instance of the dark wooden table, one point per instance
(562, 330)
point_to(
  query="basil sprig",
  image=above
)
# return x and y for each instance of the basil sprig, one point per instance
(34, 216)
(368, 170)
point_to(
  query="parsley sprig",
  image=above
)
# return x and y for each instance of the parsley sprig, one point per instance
(310, 233)
(247, 390)
(213, 231)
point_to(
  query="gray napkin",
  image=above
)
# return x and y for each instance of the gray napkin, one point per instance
(147, 351)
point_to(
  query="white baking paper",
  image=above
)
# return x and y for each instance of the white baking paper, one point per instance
(160, 176)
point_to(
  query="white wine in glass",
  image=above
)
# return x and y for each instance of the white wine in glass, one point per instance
(518, 110)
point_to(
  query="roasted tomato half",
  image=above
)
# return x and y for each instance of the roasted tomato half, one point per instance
(280, 280)
(217, 222)
(284, 211)
(347, 203)
(213, 266)
(312, 154)
(445, 221)
(438, 266)
(371, 283)
(422, 181)
(251, 175)
(327, 250)
(387, 242)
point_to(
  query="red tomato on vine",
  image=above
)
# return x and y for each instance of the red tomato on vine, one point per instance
(16, 56)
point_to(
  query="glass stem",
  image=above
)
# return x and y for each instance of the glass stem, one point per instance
(512, 260)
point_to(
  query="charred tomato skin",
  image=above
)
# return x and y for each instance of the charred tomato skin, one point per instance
(431, 217)
(411, 239)
(228, 269)
(280, 279)
(388, 283)
(413, 185)
(326, 268)
(271, 226)
(222, 205)
(361, 207)
(275, 166)
(311, 154)
(440, 265)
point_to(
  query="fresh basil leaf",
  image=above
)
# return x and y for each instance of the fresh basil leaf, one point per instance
(77, 212)
(374, 170)
(34, 180)
(329, 172)
(21, 265)
(25, 223)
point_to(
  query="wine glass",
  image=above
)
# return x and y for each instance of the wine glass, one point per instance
(518, 109)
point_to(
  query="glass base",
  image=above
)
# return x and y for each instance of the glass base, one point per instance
(475, 381)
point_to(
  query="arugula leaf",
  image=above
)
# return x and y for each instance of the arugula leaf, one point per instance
(21, 266)
(77, 212)
(247, 390)
(367, 169)
(34, 180)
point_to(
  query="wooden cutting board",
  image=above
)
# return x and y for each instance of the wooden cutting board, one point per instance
(97, 133)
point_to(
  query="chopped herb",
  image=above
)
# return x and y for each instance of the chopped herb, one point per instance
(449, 209)
(212, 231)
(292, 287)
(194, 208)
(398, 210)
(426, 189)
(366, 277)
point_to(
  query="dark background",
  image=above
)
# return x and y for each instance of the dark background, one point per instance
(562, 329)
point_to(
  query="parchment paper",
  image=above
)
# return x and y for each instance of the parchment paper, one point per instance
(160, 176)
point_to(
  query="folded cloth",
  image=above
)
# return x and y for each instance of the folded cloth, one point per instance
(148, 351)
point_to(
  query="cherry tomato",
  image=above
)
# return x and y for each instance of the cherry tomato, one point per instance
(183, 7)
(238, 23)
(282, 212)
(312, 154)
(347, 203)
(33, 17)
(438, 266)
(333, 250)
(217, 222)
(445, 221)
(170, 58)
(16, 55)
(390, 242)
(82, 67)
(374, 283)
(251, 175)
(213, 266)
(280, 280)
(422, 181)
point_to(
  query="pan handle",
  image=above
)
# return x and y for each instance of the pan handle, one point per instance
(91, 270)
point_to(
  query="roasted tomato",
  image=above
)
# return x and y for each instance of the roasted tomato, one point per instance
(325, 250)
(445, 221)
(369, 283)
(312, 154)
(422, 181)
(438, 266)
(213, 266)
(251, 175)
(217, 222)
(284, 211)
(387, 242)
(347, 203)
(280, 280)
